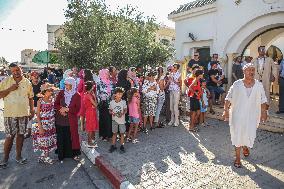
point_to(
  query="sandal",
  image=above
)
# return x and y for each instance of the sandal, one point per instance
(40, 160)
(192, 130)
(212, 112)
(246, 151)
(237, 164)
(22, 161)
(48, 160)
(3, 164)
(76, 158)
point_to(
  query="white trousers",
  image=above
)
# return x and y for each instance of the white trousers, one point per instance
(174, 102)
(160, 103)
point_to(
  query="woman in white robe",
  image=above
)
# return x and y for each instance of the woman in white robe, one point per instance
(245, 107)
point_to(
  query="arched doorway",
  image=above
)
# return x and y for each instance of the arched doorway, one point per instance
(269, 34)
(272, 39)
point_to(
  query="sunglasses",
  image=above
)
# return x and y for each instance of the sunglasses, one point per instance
(196, 55)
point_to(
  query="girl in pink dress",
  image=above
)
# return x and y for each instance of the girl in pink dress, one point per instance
(90, 103)
(134, 114)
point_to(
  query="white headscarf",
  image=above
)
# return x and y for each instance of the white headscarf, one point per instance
(69, 94)
(249, 65)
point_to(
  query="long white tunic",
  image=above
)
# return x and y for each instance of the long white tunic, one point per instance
(245, 112)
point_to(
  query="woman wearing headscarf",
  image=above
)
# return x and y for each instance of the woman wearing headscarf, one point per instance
(133, 78)
(124, 82)
(67, 73)
(67, 106)
(104, 92)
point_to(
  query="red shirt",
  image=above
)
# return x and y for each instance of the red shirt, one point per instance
(196, 88)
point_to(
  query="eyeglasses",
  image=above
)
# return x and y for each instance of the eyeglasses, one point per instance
(196, 55)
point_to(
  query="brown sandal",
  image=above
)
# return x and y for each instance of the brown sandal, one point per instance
(237, 164)
(246, 151)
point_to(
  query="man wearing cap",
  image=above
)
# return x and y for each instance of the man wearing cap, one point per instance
(18, 102)
(245, 106)
(36, 85)
(265, 70)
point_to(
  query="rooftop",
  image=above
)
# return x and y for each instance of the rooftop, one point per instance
(192, 5)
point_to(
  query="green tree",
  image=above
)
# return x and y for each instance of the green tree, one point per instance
(94, 37)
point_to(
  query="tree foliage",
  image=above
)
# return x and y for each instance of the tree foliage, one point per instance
(94, 37)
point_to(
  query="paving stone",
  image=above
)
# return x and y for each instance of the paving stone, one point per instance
(175, 158)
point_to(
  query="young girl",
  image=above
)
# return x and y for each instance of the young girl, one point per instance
(44, 133)
(205, 93)
(134, 114)
(90, 104)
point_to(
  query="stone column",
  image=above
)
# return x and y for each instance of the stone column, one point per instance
(230, 60)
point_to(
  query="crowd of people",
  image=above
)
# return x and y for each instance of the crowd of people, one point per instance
(52, 105)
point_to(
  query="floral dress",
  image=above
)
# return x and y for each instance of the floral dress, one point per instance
(150, 98)
(105, 119)
(45, 142)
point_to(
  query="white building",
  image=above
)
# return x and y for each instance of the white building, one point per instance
(27, 56)
(228, 27)
(53, 33)
(166, 35)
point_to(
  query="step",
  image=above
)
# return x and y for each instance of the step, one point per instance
(275, 123)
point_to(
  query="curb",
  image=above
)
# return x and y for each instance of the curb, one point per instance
(113, 175)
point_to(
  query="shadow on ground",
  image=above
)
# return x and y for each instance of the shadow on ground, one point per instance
(174, 157)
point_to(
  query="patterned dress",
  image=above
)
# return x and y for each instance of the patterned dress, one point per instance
(150, 98)
(46, 142)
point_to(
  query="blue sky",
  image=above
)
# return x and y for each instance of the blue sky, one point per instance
(34, 15)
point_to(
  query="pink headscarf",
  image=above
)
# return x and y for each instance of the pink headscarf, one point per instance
(104, 77)
(81, 74)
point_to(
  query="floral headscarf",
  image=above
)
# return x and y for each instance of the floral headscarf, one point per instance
(81, 74)
(104, 77)
(67, 73)
(69, 94)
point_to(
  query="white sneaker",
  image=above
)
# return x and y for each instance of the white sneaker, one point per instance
(187, 118)
(176, 125)
(170, 123)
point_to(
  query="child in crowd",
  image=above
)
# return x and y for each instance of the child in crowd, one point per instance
(203, 102)
(134, 114)
(195, 95)
(118, 109)
(90, 103)
(44, 133)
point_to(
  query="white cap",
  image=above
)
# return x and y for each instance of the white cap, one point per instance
(249, 65)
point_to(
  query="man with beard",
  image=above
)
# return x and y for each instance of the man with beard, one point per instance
(19, 107)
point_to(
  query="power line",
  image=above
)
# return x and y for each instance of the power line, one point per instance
(15, 29)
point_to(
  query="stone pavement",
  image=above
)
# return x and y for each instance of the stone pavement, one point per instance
(70, 174)
(175, 158)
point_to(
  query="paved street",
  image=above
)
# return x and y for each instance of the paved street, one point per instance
(174, 158)
(70, 174)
